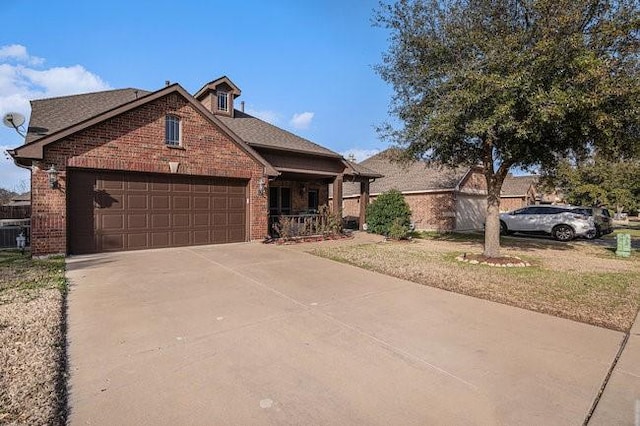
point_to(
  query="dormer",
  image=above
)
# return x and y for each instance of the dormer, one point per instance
(218, 96)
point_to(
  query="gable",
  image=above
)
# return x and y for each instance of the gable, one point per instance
(34, 150)
(135, 141)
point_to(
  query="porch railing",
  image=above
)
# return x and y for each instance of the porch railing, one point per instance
(298, 225)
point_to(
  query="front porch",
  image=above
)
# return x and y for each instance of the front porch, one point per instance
(303, 201)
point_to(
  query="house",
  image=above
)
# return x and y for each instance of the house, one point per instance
(18, 207)
(129, 169)
(440, 198)
(518, 191)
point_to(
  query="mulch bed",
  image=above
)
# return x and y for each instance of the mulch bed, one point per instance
(502, 261)
(307, 239)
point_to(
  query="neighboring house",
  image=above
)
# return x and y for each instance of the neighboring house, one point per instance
(518, 191)
(18, 207)
(129, 169)
(440, 198)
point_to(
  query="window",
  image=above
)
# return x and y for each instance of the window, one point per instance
(223, 101)
(279, 201)
(313, 201)
(172, 130)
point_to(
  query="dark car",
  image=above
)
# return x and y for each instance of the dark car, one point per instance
(601, 218)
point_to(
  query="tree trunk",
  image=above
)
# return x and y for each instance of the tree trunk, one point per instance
(492, 224)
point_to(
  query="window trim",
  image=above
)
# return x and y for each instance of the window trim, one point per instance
(172, 143)
(222, 95)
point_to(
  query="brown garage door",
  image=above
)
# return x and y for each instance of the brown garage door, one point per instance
(128, 211)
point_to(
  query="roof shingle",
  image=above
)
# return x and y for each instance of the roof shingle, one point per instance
(258, 133)
(406, 177)
(53, 114)
(517, 186)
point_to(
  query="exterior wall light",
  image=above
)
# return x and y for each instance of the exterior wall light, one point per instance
(53, 177)
(261, 186)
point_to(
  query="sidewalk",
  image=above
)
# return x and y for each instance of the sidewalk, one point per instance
(620, 402)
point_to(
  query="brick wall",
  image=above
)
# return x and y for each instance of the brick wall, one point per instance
(512, 203)
(429, 211)
(134, 141)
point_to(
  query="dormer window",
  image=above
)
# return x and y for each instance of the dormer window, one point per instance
(173, 133)
(223, 101)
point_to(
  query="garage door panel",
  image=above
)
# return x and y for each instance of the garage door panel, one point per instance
(160, 185)
(201, 219)
(160, 220)
(201, 203)
(138, 202)
(160, 239)
(181, 220)
(108, 199)
(113, 222)
(181, 238)
(113, 182)
(236, 234)
(128, 211)
(220, 219)
(220, 203)
(182, 202)
(181, 187)
(112, 242)
(138, 185)
(236, 189)
(160, 202)
(137, 241)
(138, 221)
(236, 219)
(220, 235)
(201, 236)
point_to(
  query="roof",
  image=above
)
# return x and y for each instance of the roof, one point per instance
(517, 186)
(415, 176)
(260, 134)
(53, 114)
(22, 197)
(235, 90)
(34, 148)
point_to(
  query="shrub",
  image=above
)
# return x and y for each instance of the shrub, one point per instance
(387, 210)
(398, 231)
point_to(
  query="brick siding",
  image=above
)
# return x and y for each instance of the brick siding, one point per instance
(135, 141)
(429, 211)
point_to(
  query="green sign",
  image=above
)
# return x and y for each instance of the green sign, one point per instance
(624, 245)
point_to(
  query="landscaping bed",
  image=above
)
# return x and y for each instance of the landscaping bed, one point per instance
(577, 281)
(32, 340)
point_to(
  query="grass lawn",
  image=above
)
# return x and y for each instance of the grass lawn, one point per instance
(32, 362)
(580, 281)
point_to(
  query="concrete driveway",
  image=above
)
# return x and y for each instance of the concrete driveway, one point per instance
(253, 334)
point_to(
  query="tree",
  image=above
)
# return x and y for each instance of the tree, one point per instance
(598, 181)
(511, 83)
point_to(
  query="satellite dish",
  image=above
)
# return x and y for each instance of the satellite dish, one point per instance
(13, 119)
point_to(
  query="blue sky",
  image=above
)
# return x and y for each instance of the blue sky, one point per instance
(304, 66)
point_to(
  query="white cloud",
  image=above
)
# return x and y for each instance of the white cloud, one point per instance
(302, 120)
(19, 53)
(266, 115)
(359, 154)
(22, 79)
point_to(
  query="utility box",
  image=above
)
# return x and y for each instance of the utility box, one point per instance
(624, 245)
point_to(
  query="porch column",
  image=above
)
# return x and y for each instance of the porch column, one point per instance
(364, 202)
(337, 194)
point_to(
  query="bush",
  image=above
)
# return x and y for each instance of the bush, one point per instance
(389, 212)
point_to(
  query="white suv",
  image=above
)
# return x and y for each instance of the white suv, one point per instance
(563, 223)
